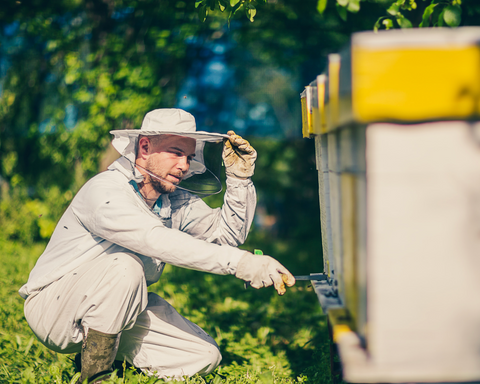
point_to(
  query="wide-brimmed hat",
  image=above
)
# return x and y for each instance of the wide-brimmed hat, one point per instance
(166, 121)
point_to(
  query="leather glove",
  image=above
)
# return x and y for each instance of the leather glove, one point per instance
(263, 271)
(238, 156)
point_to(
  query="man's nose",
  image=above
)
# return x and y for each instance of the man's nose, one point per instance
(183, 164)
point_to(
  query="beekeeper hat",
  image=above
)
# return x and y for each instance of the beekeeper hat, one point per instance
(170, 121)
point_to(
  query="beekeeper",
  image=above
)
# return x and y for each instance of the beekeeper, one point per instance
(88, 291)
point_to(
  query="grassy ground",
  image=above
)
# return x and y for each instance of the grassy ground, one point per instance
(264, 338)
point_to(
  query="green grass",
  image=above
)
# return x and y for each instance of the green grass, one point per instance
(264, 338)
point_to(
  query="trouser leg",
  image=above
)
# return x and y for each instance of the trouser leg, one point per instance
(109, 295)
(164, 343)
(105, 294)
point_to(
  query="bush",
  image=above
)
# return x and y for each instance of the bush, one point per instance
(26, 220)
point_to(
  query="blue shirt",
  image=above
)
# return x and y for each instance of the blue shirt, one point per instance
(158, 204)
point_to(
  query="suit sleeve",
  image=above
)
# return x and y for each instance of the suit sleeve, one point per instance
(227, 225)
(113, 214)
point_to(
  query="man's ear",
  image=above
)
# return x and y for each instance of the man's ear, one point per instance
(144, 147)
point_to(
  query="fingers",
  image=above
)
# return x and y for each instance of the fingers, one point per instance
(228, 146)
(257, 286)
(280, 288)
(288, 279)
(281, 278)
(278, 283)
(240, 142)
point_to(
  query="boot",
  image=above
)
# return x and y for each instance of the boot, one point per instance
(98, 353)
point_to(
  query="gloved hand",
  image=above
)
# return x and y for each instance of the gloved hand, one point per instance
(238, 156)
(263, 271)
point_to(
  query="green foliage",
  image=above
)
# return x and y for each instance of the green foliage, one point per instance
(433, 14)
(231, 7)
(22, 358)
(26, 220)
(321, 5)
(76, 72)
(264, 338)
(78, 69)
(452, 15)
(411, 13)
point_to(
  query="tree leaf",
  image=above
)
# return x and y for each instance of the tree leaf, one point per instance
(440, 21)
(198, 3)
(452, 15)
(321, 5)
(404, 22)
(342, 12)
(202, 13)
(393, 10)
(342, 3)
(408, 5)
(234, 10)
(221, 5)
(426, 16)
(233, 3)
(353, 6)
(251, 12)
(388, 23)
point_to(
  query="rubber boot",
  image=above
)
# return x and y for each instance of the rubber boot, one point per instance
(98, 353)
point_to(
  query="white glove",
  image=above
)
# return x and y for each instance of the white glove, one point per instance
(238, 156)
(263, 271)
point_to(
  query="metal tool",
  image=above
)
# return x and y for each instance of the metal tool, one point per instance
(312, 277)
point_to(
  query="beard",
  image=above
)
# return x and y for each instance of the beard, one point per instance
(159, 185)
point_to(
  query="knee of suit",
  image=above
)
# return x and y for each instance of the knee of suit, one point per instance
(120, 297)
(126, 274)
(210, 359)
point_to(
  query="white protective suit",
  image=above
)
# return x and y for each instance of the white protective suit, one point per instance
(109, 245)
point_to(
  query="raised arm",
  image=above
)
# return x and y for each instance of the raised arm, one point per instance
(231, 223)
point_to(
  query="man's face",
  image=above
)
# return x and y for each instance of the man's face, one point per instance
(170, 160)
